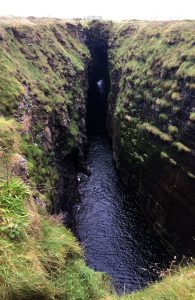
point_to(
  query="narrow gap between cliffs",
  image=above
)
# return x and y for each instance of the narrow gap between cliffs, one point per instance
(98, 78)
(115, 236)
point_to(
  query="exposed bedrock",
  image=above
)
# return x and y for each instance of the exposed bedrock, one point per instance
(44, 86)
(151, 122)
(98, 76)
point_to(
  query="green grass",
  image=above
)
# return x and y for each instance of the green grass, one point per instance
(166, 157)
(156, 132)
(9, 145)
(192, 116)
(163, 103)
(181, 147)
(163, 117)
(9, 135)
(178, 285)
(37, 60)
(151, 71)
(42, 72)
(73, 128)
(39, 258)
(176, 96)
(13, 212)
(172, 129)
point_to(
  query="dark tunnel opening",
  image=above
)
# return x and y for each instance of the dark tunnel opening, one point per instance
(98, 77)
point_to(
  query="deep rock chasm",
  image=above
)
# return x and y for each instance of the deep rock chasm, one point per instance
(62, 83)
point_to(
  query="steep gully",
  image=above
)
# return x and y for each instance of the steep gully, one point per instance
(115, 236)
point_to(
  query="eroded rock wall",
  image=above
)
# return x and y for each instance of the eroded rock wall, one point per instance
(151, 122)
(97, 35)
(43, 85)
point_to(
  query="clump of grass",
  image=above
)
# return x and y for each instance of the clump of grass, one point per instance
(163, 117)
(173, 129)
(163, 103)
(178, 284)
(9, 144)
(9, 136)
(128, 118)
(157, 132)
(165, 156)
(73, 128)
(192, 116)
(13, 212)
(181, 147)
(176, 109)
(39, 258)
(138, 158)
(191, 175)
(176, 96)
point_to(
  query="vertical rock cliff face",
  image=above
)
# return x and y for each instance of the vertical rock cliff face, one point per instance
(43, 84)
(151, 121)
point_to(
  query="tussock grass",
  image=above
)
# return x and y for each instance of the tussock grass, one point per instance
(166, 157)
(179, 285)
(39, 258)
(157, 132)
(163, 103)
(192, 116)
(9, 145)
(181, 147)
(173, 129)
(163, 117)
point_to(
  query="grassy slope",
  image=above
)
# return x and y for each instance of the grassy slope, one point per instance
(178, 286)
(39, 258)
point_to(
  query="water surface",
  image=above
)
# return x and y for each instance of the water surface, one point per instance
(116, 238)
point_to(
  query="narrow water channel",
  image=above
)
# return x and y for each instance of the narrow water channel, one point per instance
(114, 234)
(116, 238)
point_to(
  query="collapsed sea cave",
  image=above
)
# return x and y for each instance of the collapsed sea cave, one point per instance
(99, 202)
(115, 236)
(99, 128)
(101, 210)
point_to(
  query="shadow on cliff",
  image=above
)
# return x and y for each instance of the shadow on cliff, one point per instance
(98, 76)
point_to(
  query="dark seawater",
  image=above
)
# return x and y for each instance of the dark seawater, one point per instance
(116, 238)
